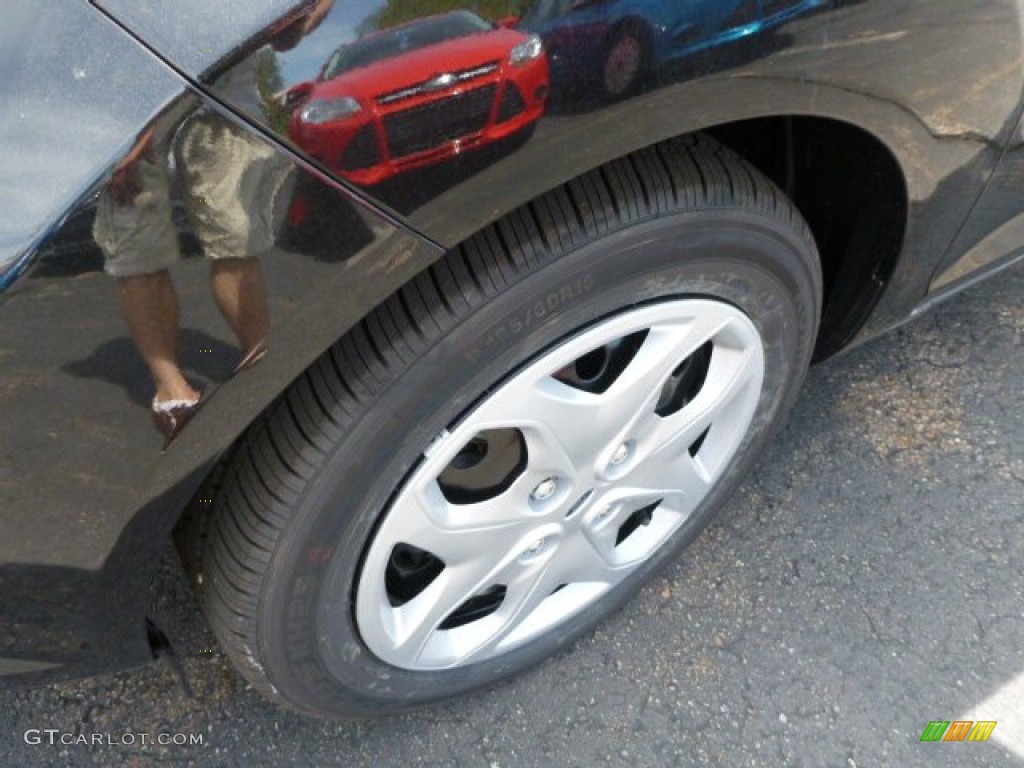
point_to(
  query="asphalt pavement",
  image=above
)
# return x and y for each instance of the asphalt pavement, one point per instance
(865, 581)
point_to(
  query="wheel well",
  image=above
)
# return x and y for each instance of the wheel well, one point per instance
(846, 185)
(852, 193)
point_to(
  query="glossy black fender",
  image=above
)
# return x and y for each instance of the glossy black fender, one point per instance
(87, 499)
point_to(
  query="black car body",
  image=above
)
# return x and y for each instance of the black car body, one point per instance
(894, 127)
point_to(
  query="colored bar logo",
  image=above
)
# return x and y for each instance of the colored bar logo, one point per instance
(958, 730)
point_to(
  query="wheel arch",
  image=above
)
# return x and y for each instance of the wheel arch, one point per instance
(855, 165)
(630, 21)
(839, 216)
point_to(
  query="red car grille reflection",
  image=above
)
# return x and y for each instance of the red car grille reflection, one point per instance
(432, 125)
(456, 78)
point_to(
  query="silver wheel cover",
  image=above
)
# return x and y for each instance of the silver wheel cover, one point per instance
(602, 481)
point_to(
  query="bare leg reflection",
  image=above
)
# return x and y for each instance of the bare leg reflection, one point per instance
(149, 306)
(134, 226)
(240, 291)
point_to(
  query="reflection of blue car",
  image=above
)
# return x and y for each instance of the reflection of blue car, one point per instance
(618, 42)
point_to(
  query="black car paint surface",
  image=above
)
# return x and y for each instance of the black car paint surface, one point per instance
(87, 500)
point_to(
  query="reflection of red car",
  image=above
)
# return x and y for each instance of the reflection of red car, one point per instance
(419, 93)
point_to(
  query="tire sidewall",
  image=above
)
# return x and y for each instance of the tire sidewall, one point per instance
(310, 644)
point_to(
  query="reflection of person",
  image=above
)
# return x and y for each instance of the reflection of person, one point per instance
(233, 191)
(135, 229)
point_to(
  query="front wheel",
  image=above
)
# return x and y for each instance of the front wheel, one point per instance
(506, 450)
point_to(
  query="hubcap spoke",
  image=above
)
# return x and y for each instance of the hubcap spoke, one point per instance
(414, 625)
(553, 591)
(454, 533)
(730, 376)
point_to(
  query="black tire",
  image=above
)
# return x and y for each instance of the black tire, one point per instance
(310, 485)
